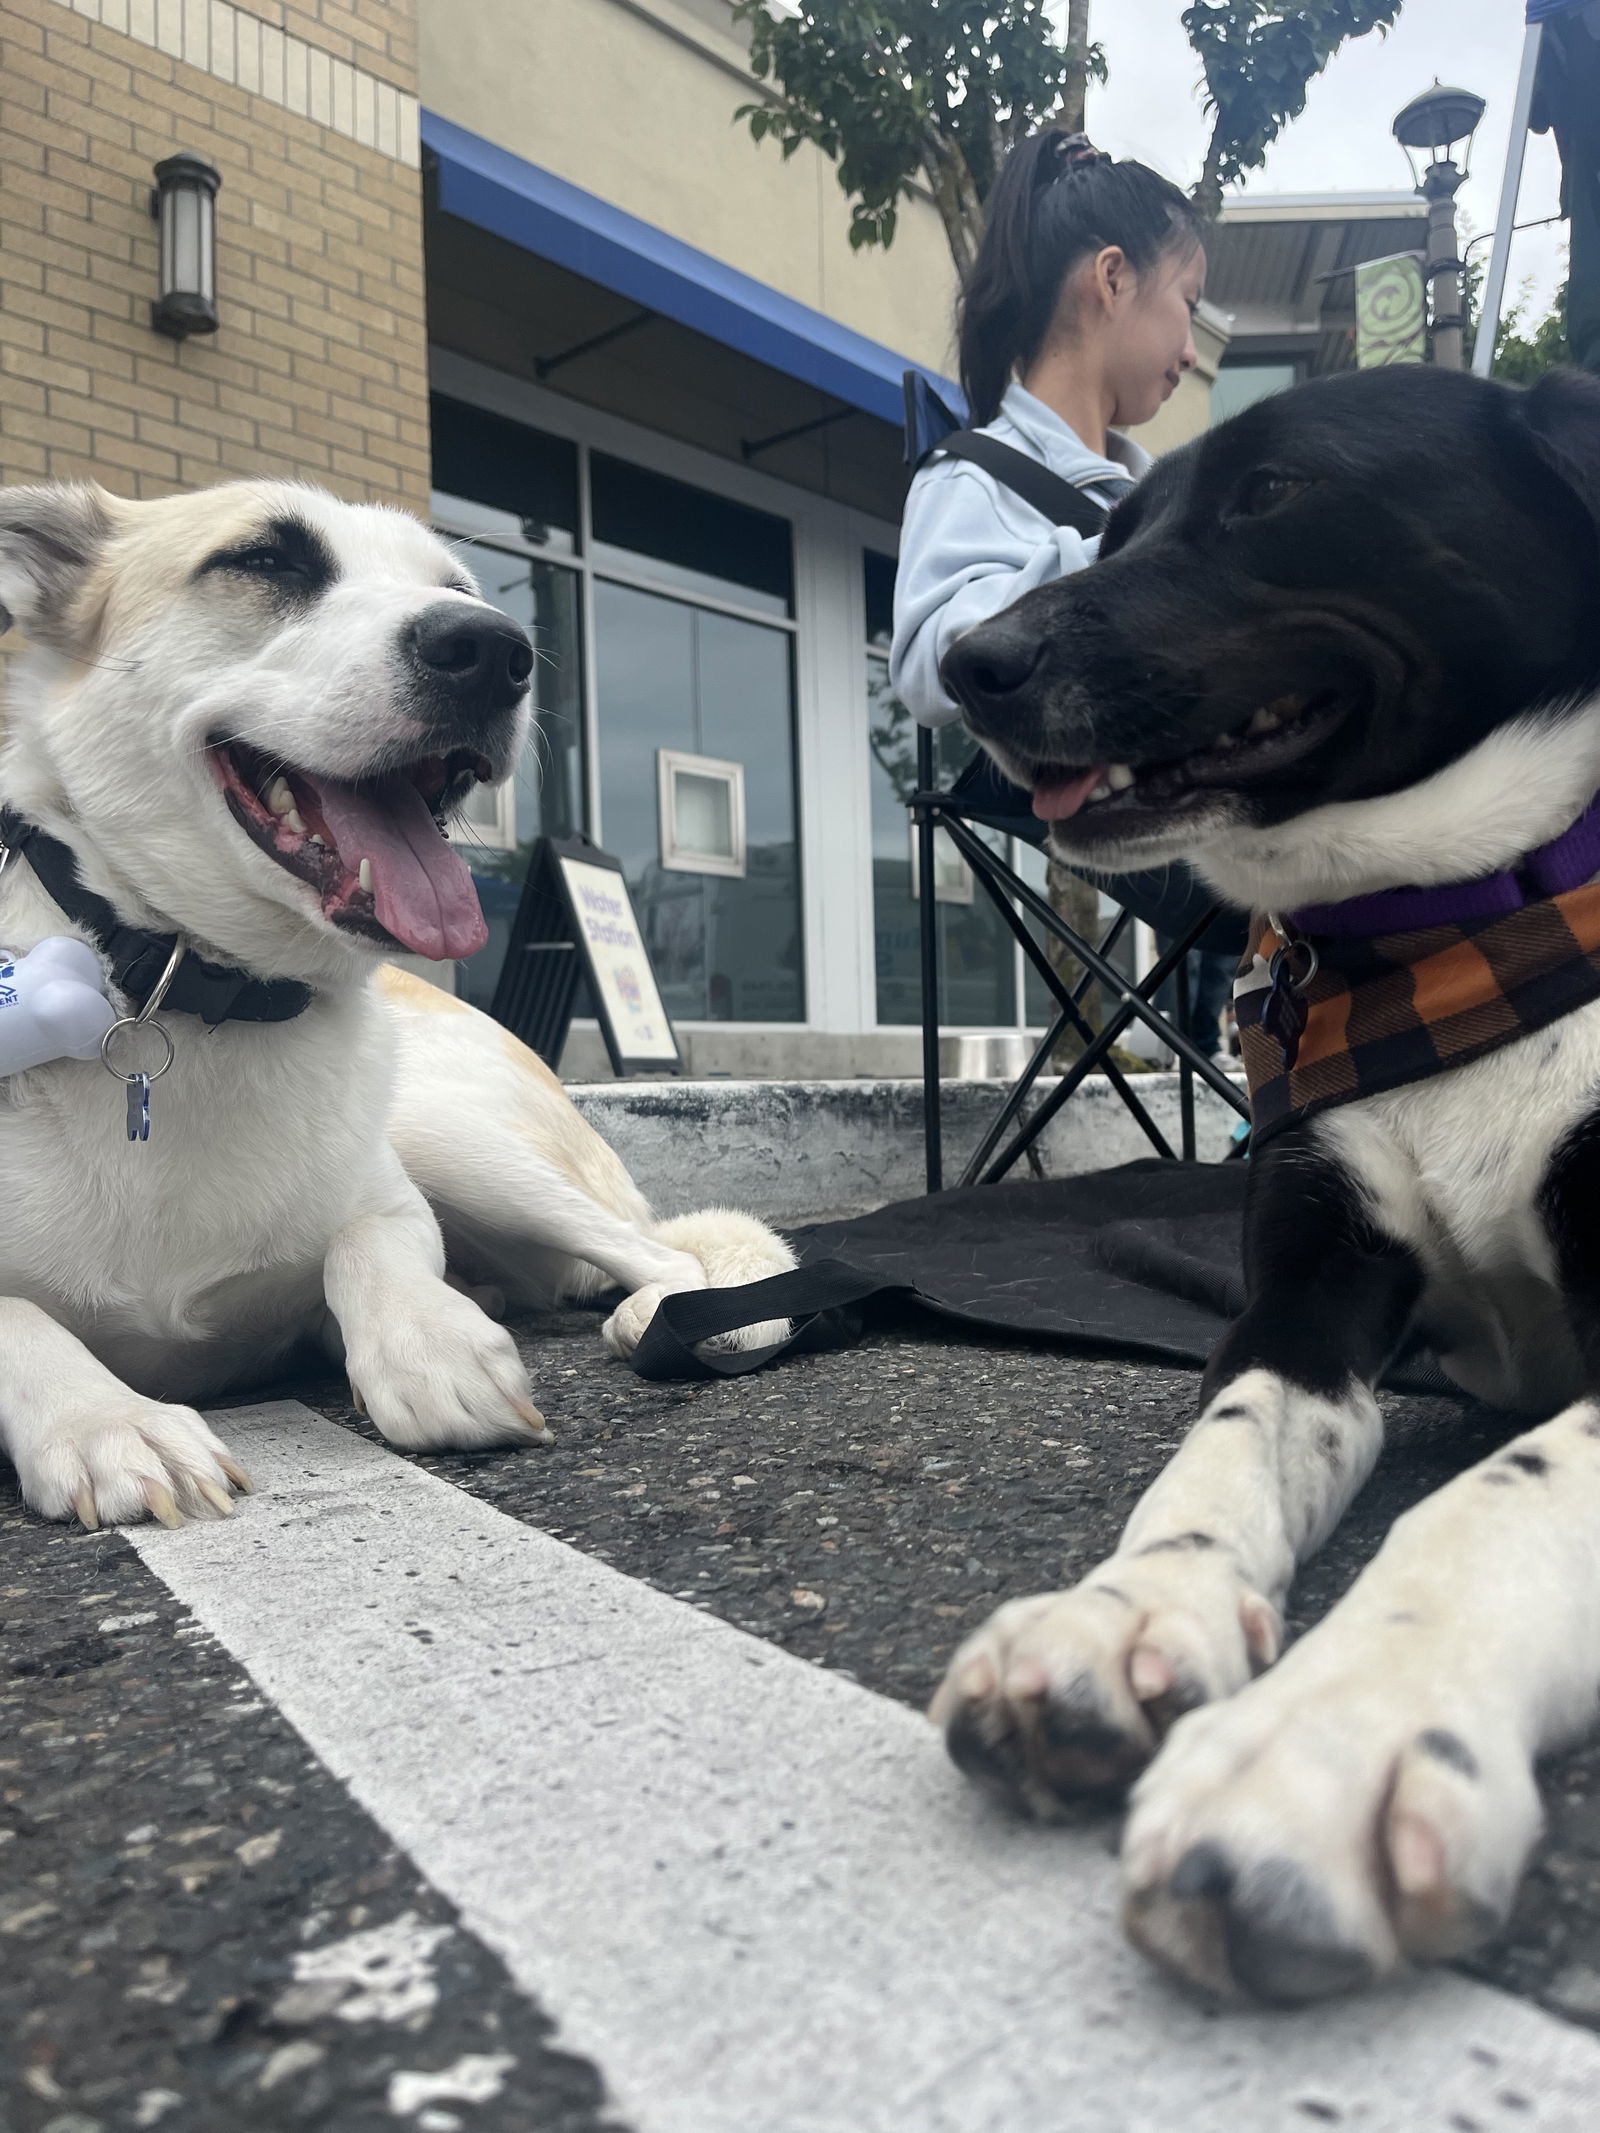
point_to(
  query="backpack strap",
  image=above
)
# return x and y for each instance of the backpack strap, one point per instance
(1051, 495)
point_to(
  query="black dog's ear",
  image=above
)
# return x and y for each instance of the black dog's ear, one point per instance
(49, 535)
(1561, 414)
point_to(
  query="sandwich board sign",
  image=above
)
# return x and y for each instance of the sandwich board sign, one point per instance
(576, 924)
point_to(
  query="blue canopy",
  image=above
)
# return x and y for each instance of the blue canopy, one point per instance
(500, 192)
(1542, 10)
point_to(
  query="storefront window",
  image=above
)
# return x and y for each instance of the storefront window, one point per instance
(677, 677)
(679, 535)
(978, 957)
(675, 672)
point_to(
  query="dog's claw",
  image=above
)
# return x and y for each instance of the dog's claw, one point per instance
(162, 1506)
(219, 1499)
(538, 1428)
(83, 1503)
(356, 1400)
(236, 1474)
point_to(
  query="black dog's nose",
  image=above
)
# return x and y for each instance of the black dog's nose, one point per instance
(988, 670)
(473, 659)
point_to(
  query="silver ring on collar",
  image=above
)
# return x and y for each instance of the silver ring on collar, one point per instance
(144, 1019)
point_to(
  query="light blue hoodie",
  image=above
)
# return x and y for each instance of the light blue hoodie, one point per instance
(969, 547)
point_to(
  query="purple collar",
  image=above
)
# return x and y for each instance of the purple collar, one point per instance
(1567, 862)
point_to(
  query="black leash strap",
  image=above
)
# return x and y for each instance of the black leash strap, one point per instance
(1051, 495)
(824, 1297)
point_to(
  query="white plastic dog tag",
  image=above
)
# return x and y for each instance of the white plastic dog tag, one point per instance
(52, 1005)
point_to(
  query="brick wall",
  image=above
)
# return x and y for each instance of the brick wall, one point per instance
(319, 369)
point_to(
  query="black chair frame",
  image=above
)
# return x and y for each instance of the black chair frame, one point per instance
(933, 809)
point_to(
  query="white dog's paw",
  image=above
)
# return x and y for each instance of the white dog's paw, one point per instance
(440, 1376)
(628, 1323)
(122, 1458)
(731, 1249)
(1063, 1698)
(1304, 1837)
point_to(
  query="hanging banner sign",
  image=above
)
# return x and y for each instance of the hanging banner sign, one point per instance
(1391, 312)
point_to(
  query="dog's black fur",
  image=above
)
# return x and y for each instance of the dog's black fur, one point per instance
(1412, 553)
(1395, 566)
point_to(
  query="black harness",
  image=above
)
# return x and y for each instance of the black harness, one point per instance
(137, 959)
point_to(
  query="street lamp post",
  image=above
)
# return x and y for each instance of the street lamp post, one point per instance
(1436, 121)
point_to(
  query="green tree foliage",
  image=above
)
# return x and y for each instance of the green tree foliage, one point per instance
(893, 91)
(896, 91)
(1522, 352)
(1259, 62)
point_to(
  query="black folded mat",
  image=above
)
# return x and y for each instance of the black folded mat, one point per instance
(1141, 1260)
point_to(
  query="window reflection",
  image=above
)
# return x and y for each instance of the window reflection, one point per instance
(669, 675)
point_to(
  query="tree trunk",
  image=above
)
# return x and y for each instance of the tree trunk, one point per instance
(956, 197)
(1208, 192)
(1075, 95)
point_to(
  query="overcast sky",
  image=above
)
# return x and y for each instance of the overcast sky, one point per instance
(1342, 141)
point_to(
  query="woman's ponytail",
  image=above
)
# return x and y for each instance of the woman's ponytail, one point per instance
(1056, 199)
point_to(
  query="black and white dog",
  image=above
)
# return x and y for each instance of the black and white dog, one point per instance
(1348, 641)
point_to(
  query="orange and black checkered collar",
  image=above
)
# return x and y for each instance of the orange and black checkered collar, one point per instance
(1341, 1001)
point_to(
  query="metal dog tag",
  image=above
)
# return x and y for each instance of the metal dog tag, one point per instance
(138, 1107)
(127, 1030)
(1284, 1013)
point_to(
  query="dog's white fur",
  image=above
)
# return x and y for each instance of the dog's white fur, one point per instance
(1480, 1617)
(299, 1173)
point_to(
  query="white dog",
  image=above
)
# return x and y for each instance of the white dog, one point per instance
(240, 722)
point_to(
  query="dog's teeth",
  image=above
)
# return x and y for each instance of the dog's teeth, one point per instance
(1102, 791)
(1119, 777)
(1265, 721)
(1225, 740)
(279, 798)
(294, 821)
(318, 838)
(364, 875)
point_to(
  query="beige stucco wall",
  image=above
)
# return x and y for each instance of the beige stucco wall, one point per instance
(634, 100)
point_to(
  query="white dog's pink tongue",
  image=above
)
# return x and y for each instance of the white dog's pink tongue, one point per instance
(1054, 799)
(421, 889)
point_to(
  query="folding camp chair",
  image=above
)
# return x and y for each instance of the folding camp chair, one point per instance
(1169, 899)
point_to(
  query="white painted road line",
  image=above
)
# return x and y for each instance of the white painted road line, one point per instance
(753, 1893)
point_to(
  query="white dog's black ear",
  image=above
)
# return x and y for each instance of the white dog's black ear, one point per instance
(49, 536)
(1561, 414)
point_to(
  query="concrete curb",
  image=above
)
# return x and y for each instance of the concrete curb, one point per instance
(794, 1150)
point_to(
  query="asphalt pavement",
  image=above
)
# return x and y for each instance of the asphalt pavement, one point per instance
(244, 1883)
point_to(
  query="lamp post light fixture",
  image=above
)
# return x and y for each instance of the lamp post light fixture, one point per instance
(184, 206)
(1436, 121)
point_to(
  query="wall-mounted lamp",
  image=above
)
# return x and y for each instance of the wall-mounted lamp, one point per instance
(184, 204)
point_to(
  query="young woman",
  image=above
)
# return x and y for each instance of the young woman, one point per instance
(1076, 321)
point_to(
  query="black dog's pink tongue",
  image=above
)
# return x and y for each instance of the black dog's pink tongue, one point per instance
(421, 889)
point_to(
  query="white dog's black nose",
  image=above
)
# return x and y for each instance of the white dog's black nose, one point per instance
(473, 663)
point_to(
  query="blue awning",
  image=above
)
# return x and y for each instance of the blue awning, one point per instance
(500, 192)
